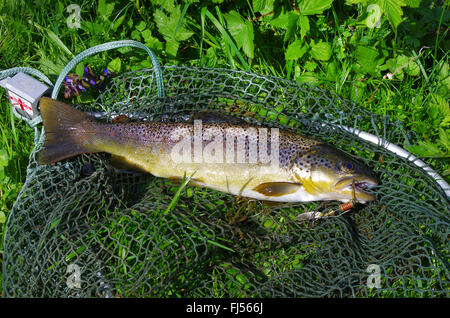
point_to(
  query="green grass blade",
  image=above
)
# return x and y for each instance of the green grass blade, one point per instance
(228, 39)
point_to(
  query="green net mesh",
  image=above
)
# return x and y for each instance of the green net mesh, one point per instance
(82, 229)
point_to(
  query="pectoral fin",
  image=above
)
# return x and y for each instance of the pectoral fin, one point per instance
(277, 189)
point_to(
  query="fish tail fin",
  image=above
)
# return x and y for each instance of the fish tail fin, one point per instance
(68, 132)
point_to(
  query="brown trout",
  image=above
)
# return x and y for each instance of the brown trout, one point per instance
(226, 155)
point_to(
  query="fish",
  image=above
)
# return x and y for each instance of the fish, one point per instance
(230, 156)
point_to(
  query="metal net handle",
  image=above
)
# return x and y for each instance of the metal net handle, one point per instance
(106, 47)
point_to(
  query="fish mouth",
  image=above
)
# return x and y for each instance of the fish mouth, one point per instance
(360, 184)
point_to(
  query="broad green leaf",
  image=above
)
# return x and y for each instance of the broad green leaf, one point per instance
(413, 3)
(79, 69)
(3, 158)
(366, 57)
(115, 65)
(308, 77)
(296, 50)
(310, 66)
(444, 79)
(355, 1)
(303, 23)
(165, 4)
(281, 20)
(426, 149)
(136, 35)
(292, 25)
(412, 68)
(105, 9)
(259, 5)
(398, 64)
(211, 57)
(152, 42)
(172, 47)
(118, 22)
(393, 10)
(226, 36)
(2, 217)
(332, 70)
(242, 32)
(310, 7)
(171, 28)
(267, 8)
(140, 26)
(444, 138)
(321, 51)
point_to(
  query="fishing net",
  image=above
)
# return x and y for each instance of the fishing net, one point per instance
(81, 228)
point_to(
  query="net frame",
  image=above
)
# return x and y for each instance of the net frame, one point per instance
(405, 232)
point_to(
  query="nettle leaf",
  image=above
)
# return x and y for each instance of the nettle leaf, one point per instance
(152, 42)
(118, 22)
(105, 9)
(398, 63)
(444, 138)
(303, 23)
(310, 7)
(165, 4)
(3, 158)
(292, 25)
(413, 3)
(427, 149)
(281, 19)
(444, 79)
(136, 35)
(242, 32)
(332, 70)
(393, 10)
(310, 66)
(172, 31)
(367, 58)
(439, 111)
(308, 77)
(321, 51)
(141, 26)
(115, 65)
(355, 1)
(259, 5)
(2, 217)
(296, 50)
(263, 6)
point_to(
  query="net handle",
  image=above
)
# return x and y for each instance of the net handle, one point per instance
(106, 47)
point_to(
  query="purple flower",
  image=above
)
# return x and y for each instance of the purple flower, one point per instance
(89, 78)
(72, 85)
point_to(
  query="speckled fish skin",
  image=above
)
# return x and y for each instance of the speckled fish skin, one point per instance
(306, 169)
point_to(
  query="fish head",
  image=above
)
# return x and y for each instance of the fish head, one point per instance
(333, 175)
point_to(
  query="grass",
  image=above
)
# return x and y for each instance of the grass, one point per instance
(331, 48)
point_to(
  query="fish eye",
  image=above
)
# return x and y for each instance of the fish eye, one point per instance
(347, 166)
